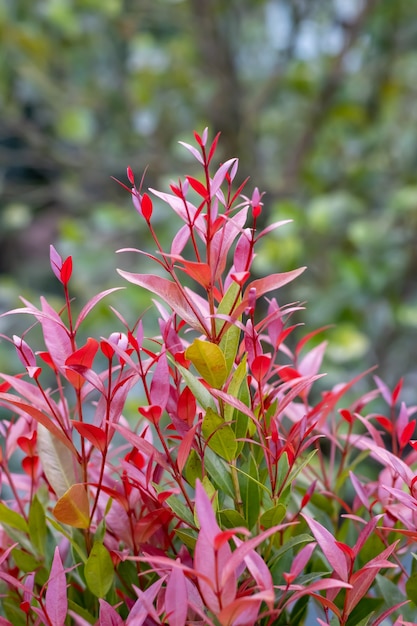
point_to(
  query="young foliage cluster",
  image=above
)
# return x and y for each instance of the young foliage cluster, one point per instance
(237, 495)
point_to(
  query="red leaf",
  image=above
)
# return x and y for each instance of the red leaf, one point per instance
(407, 433)
(66, 270)
(186, 408)
(28, 444)
(185, 447)
(147, 207)
(260, 366)
(136, 457)
(240, 277)
(197, 186)
(288, 373)
(397, 391)
(83, 357)
(213, 148)
(30, 465)
(130, 175)
(347, 415)
(200, 272)
(152, 412)
(92, 433)
(385, 422)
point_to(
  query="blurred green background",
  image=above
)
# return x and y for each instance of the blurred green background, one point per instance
(316, 97)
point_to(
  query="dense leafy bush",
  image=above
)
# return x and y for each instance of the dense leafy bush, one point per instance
(236, 495)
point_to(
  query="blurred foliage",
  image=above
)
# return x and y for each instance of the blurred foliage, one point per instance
(316, 97)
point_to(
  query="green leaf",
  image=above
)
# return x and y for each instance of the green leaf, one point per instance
(37, 525)
(25, 562)
(296, 470)
(299, 611)
(250, 492)
(392, 595)
(231, 518)
(81, 611)
(99, 570)
(219, 473)
(187, 537)
(229, 343)
(289, 545)
(364, 608)
(12, 518)
(180, 510)
(411, 588)
(209, 361)
(238, 388)
(273, 516)
(229, 302)
(193, 468)
(219, 435)
(283, 468)
(200, 392)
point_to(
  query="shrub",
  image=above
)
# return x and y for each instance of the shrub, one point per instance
(237, 495)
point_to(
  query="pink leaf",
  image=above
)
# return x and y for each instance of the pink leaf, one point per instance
(331, 551)
(141, 444)
(144, 605)
(264, 285)
(193, 151)
(301, 560)
(176, 601)
(56, 602)
(92, 303)
(185, 210)
(159, 389)
(108, 615)
(24, 352)
(170, 293)
(223, 240)
(180, 240)
(209, 561)
(362, 579)
(56, 262)
(55, 334)
(219, 176)
(312, 588)
(312, 361)
(245, 551)
(241, 258)
(39, 417)
(244, 611)
(258, 569)
(360, 492)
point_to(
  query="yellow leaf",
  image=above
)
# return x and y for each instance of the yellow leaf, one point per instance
(73, 507)
(209, 361)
